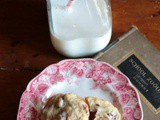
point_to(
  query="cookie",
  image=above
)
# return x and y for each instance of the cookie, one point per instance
(65, 107)
(102, 109)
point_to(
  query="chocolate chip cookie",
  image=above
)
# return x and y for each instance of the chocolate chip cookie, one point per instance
(65, 107)
(102, 109)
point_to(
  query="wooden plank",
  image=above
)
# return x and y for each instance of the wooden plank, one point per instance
(12, 85)
(25, 41)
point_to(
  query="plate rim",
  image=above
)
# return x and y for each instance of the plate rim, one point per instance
(81, 59)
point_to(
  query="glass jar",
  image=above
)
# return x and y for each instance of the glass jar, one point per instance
(79, 27)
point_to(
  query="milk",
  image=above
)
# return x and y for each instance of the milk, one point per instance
(80, 30)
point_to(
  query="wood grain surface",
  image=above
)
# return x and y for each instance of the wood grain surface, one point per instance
(25, 41)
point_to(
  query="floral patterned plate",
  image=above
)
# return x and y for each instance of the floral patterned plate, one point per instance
(84, 77)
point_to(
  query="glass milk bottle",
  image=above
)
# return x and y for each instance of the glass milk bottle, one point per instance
(79, 27)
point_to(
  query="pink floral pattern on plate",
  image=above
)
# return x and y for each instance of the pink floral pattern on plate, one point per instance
(82, 74)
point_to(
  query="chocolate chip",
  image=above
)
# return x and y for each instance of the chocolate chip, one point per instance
(112, 116)
(97, 105)
(92, 115)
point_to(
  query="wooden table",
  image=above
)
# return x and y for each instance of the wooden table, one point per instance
(25, 42)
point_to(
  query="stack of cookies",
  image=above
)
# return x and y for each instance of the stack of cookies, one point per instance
(72, 107)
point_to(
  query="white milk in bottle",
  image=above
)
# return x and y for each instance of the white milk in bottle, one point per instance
(81, 29)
